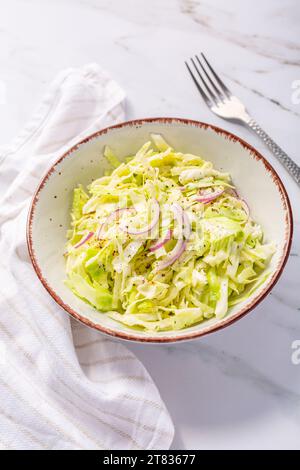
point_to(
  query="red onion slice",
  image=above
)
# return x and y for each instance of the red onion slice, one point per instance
(182, 221)
(84, 239)
(172, 256)
(110, 218)
(243, 202)
(151, 226)
(234, 193)
(184, 234)
(162, 241)
(209, 197)
(245, 207)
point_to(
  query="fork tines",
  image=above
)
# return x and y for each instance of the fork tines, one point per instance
(208, 83)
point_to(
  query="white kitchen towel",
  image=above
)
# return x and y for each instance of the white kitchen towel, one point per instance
(63, 385)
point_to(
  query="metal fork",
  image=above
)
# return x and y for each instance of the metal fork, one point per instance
(223, 103)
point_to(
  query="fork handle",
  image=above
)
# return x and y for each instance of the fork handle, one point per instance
(286, 161)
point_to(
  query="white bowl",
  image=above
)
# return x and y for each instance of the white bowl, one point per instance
(49, 215)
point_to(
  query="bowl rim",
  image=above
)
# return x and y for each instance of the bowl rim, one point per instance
(130, 335)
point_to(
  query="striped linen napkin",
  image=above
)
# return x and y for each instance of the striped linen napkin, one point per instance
(63, 385)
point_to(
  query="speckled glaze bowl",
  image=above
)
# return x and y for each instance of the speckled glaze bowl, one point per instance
(49, 215)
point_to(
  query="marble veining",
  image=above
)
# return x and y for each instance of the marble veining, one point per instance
(237, 388)
(262, 95)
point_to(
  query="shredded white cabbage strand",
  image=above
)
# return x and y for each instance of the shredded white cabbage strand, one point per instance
(163, 241)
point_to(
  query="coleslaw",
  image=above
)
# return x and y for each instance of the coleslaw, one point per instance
(163, 241)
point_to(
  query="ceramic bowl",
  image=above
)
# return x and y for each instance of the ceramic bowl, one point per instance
(49, 215)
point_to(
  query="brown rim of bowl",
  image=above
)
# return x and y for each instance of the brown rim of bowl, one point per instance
(130, 336)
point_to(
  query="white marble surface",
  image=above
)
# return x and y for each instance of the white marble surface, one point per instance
(237, 388)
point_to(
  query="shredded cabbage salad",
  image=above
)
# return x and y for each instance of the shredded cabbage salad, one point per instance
(163, 241)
